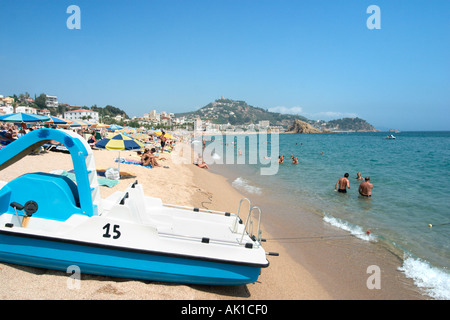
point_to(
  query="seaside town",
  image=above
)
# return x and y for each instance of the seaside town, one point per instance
(219, 116)
(49, 106)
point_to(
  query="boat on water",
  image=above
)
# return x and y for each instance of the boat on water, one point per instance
(390, 137)
(48, 221)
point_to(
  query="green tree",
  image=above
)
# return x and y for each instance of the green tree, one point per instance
(40, 101)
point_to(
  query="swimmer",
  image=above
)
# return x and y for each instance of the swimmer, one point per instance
(365, 188)
(358, 176)
(343, 184)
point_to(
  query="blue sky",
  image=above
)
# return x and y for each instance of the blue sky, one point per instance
(316, 58)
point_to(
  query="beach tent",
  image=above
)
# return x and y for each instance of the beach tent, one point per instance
(23, 117)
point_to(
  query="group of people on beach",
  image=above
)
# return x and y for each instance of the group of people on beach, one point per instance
(365, 188)
(148, 158)
(9, 132)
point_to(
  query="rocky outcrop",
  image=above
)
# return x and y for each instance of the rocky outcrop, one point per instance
(302, 127)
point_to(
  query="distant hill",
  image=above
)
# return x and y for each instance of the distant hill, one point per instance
(350, 124)
(237, 112)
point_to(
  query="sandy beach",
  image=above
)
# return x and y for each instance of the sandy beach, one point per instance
(298, 273)
(179, 184)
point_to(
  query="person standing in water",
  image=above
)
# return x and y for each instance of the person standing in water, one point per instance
(365, 188)
(343, 184)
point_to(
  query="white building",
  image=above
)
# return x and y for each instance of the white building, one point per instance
(51, 101)
(81, 114)
(6, 110)
(152, 115)
(264, 124)
(43, 112)
(26, 109)
(198, 126)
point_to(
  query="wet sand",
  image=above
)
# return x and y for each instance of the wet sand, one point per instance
(339, 261)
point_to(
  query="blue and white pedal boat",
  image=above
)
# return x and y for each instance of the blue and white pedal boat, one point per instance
(48, 221)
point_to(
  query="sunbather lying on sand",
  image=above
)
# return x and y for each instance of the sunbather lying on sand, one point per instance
(201, 163)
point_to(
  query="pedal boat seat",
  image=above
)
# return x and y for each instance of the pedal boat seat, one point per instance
(56, 196)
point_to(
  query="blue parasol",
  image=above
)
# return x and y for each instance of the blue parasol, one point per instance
(23, 117)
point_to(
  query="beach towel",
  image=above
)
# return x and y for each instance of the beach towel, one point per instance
(135, 162)
(101, 181)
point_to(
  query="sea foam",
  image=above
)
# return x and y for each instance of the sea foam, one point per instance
(243, 185)
(357, 231)
(434, 281)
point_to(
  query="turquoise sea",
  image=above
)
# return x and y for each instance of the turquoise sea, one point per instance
(410, 205)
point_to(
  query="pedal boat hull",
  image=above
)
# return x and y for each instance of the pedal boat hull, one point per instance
(113, 261)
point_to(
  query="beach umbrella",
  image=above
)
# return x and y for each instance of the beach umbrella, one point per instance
(89, 124)
(128, 129)
(56, 120)
(119, 142)
(115, 127)
(78, 123)
(23, 117)
(167, 135)
(101, 125)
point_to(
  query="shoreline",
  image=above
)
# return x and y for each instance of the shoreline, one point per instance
(297, 274)
(217, 193)
(338, 260)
